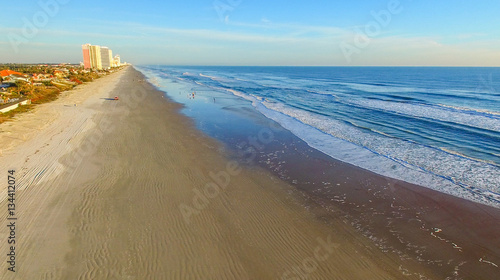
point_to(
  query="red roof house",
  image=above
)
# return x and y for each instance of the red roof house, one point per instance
(6, 73)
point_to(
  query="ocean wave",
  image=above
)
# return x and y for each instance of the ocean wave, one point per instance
(210, 77)
(481, 111)
(472, 175)
(287, 101)
(378, 88)
(465, 117)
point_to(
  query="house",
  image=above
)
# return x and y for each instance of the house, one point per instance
(6, 73)
(11, 77)
(13, 104)
(42, 78)
(59, 74)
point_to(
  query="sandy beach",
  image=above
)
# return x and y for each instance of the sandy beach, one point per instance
(127, 190)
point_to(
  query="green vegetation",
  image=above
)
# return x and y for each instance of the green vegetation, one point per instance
(45, 83)
(10, 114)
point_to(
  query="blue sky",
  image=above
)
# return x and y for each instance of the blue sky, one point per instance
(256, 32)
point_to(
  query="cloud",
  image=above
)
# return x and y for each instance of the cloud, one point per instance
(291, 28)
(427, 51)
(265, 21)
(470, 35)
(265, 43)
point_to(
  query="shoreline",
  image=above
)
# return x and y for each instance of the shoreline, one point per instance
(113, 208)
(418, 225)
(466, 171)
(134, 193)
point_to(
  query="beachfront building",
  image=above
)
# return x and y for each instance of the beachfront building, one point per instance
(106, 58)
(95, 57)
(98, 58)
(111, 60)
(116, 61)
(86, 56)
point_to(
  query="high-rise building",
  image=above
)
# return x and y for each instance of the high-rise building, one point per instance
(86, 56)
(117, 61)
(111, 58)
(106, 58)
(95, 57)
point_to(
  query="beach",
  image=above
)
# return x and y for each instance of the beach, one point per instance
(130, 189)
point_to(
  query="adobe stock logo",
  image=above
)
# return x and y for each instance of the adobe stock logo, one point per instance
(309, 265)
(224, 7)
(40, 19)
(486, 85)
(372, 29)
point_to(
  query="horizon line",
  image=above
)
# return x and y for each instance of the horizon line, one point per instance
(228, 65)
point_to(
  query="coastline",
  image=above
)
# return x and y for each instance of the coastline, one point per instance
(112, 208)
(451, 236)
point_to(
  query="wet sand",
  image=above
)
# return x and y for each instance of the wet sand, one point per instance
(452, 237)
(129, 189)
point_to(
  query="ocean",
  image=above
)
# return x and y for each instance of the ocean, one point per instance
(436, 127)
